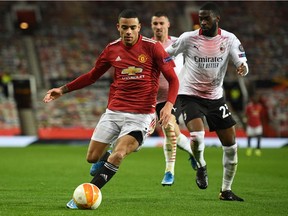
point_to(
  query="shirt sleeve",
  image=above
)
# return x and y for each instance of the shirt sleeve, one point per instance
(101, 66)
(173, 81)
(177, 46)
(237, 52)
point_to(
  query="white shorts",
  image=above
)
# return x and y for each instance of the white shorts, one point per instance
(254, 131)
(113, 125)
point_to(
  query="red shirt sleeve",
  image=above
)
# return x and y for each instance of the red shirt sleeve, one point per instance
(101, 66)
(173, 81)
(166, 66)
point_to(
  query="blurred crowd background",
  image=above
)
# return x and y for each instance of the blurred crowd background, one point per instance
(63, 40)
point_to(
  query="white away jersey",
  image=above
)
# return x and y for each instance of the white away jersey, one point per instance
(206, 61)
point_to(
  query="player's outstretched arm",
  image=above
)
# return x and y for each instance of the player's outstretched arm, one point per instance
(54, 93)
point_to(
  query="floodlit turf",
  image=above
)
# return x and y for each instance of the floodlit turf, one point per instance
(40, 179)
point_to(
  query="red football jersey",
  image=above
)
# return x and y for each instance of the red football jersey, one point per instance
(253, 114)
(136, 74)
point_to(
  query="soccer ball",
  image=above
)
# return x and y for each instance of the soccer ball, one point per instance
(87, 196)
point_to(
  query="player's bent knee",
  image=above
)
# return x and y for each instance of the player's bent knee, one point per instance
(116, 158)
(197, 139)
(92, 158)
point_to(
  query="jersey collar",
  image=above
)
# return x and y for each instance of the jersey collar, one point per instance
(219, 31)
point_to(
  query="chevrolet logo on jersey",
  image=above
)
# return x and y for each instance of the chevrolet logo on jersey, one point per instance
(132, 71)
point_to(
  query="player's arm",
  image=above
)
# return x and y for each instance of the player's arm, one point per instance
(82, 81)
(177, 46)
(239, 57)
(165, 112)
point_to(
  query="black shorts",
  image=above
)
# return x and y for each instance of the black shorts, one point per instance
(176, 111)
(216, 112)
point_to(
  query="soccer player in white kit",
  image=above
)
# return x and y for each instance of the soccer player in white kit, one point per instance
(207, 52)
(173, 137)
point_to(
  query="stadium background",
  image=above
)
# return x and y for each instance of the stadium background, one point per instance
(64, 39)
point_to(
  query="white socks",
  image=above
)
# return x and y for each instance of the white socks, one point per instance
(169, 148)
(230, 160)
(198, 146)
(184, 143)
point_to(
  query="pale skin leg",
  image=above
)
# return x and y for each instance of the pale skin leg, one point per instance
(124, 146)
(170, 146)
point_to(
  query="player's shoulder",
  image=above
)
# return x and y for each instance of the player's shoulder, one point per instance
(115, 42)
(226, 33)
(189, 34)
(148, 40)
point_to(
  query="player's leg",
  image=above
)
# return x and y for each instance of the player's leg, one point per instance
(183, 142)
(259, 132)
(219, 119)
(197, 133)
(133, 129)
(104, 134)
(249, 149)
(169, 149)
(249, 132)
(124, 146)
(230, 162)
(95, 150)
(193, 114)
(258, 149)
(100, 162)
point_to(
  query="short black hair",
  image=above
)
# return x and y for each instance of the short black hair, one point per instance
(212, 7)
(160, 13)
(128, 13)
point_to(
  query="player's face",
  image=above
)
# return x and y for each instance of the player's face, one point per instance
(160, 26)
(129, 29)
(208, 22)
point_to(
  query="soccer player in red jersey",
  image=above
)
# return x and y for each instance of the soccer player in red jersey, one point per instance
(254, 126)
(137, 62)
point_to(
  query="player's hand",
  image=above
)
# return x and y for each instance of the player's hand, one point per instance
(52, 94)
(165, 114)
(242, 70)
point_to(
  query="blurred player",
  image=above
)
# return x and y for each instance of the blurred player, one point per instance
(173, 137)
(254, 126)
(207, 52)
(137, 63)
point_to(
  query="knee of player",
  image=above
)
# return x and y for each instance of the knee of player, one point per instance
(116, 157)
(197, 136)
(90, 158)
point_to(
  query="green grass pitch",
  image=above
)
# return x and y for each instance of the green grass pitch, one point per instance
(40, 179)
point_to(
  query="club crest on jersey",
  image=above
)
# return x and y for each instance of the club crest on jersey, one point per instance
(131, 71)
(142, 58)
(222, 48)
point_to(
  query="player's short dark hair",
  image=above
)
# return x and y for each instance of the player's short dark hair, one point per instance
(128, 13)
(212, 7)
(160, 13)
